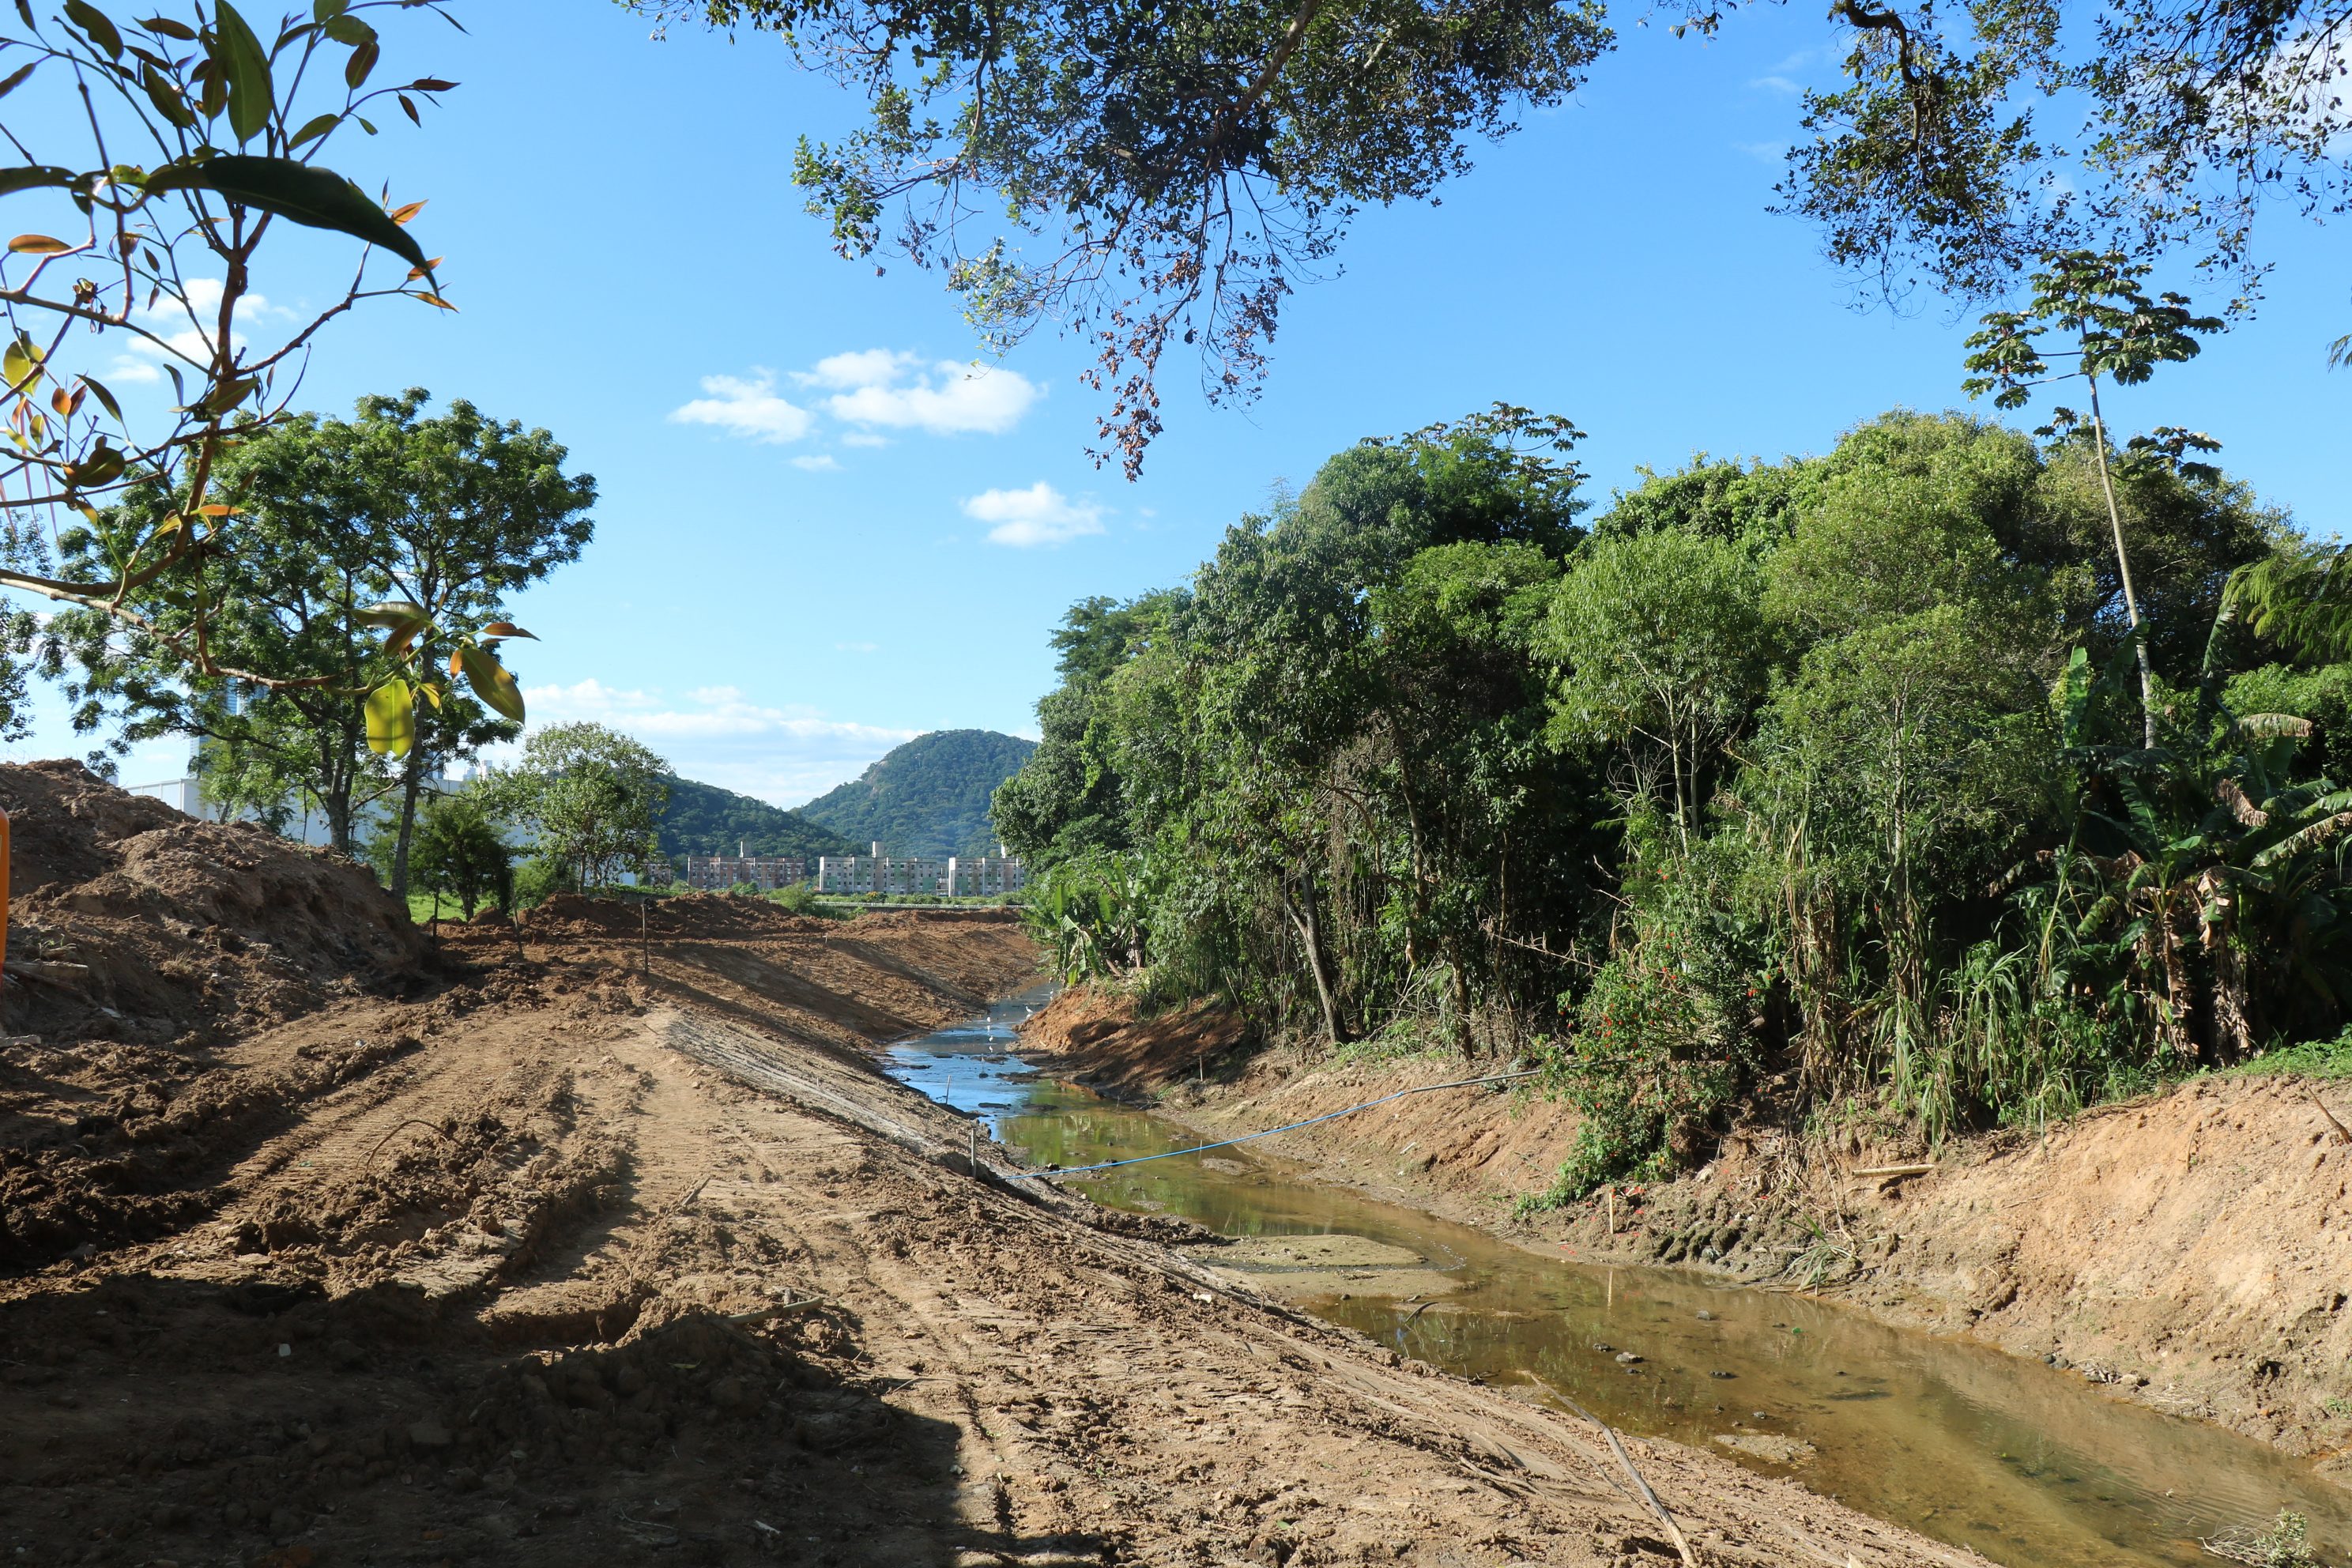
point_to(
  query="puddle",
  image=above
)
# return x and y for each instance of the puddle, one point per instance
(2027, 1465)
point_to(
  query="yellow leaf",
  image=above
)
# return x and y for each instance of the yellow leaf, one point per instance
(38, 245)
(390, 720)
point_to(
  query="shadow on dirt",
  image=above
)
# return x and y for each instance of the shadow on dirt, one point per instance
(148, 1419)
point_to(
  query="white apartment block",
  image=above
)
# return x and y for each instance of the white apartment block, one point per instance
(959, 876)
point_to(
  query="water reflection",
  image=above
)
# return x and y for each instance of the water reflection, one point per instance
(2029, 1466)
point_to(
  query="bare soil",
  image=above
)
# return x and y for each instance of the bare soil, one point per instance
(2191, 1249)
(585, 1243)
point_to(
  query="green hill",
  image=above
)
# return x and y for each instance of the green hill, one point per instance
(704, 820)
(928, 797)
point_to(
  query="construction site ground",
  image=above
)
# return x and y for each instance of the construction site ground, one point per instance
(582, 1242)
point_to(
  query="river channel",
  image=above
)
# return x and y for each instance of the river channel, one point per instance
(2028, 1465)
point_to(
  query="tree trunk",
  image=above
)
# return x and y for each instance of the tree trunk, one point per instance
(2123, 567)
(1310, 933)
(411, 785)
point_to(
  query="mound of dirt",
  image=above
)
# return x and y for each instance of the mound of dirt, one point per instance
(138, 939)
(130, 922)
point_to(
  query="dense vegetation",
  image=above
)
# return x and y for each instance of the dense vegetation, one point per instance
(1822, 780)
(703, 819)
(929, 796)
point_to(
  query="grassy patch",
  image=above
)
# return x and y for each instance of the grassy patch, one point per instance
(2312, 1058)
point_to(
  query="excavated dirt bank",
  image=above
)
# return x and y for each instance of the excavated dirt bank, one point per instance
(607, 1246)
(2191, 1249)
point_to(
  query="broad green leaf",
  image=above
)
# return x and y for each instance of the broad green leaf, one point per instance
(299, 193)
(350, 31)
(34, 177)
(391, 613)
(491, 682)
(327, 10)
(363, 60)
(390, 720)
(402, 635)
(18, 366)
(96, 25)
(251, 93)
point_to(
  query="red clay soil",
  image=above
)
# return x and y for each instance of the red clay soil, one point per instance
(2191, 1249)
(596, 1250)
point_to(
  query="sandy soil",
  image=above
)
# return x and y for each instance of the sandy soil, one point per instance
(2191, 1249)
(577, 1246)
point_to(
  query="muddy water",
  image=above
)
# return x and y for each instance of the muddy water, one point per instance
(2027, 1465)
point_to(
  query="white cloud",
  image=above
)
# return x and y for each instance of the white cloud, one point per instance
(885, 389)
(1779, 84)
(1770, 153)
(718, 734)
(823, 463)
(186, 331)
(747, 407)
(1038, 515)
(871, 391)
(860, 367)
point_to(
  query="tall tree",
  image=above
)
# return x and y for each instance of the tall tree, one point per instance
(457, 511)
(356, 543)
(592, 798)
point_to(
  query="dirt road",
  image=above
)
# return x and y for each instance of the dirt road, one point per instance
(589, 1249)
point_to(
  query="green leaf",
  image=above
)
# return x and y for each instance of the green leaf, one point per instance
(98, 390)
(363, 60)
(327, 10)
(17, 365)
(96, 25)
(298, 192)
(391, 613)
(491, 682)
(34, 177)
(103, 467)
(350, 31)
(317, 126)
(164, 27)
(391, 719)
(16, 77)
(251, 93)
(166, 98)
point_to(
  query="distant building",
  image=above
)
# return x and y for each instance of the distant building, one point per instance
(765, 872)
(959, 876)
(983, 876)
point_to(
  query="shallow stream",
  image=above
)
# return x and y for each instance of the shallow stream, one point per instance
(2028, 1465)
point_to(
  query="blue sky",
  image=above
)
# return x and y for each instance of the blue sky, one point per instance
(820, 534)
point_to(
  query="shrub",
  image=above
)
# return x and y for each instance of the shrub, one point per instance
(1655, 1058)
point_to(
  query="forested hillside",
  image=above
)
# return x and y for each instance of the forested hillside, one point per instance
(929, 796)
(703, 819)
(1771, 788)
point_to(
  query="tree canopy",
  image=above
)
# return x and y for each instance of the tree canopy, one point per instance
(1831, 771)
(1159, 174)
